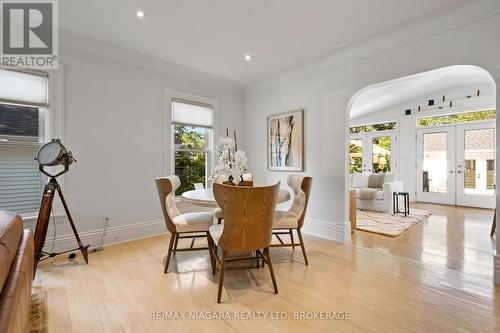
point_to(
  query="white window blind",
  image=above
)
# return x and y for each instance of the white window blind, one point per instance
(191, 113)
(23, 88)
(20, 181)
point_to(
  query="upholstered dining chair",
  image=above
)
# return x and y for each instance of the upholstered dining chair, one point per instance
(188, 225)
(293, 219)
(247, 229)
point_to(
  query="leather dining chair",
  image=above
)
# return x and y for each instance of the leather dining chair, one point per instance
(247, 229)
(188, 225)
(293, 219)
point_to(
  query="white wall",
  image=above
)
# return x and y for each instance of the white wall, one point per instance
(114, 124)
(406, 144)
(468, 34)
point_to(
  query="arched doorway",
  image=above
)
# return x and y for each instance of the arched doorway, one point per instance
(434, 133)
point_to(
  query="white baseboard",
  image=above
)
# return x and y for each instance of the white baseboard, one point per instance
(112, 235)
(496, 267)
(321, 229)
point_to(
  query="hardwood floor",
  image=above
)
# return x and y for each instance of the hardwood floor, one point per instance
(455, 237)
(382, 292)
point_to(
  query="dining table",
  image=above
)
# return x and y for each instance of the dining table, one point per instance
(205, 197)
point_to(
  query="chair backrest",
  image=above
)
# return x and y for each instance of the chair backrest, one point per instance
(248, 215)
(166, 187)
(301, 186)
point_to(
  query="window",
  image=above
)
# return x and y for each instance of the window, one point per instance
(192, 127)
(23, 104)
(373, 127)
(456, 118)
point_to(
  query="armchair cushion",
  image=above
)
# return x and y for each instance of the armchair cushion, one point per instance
(190, 222)
(375, 180)
(359, 180)
(378, 196)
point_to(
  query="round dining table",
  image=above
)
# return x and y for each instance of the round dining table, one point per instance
(205, 197)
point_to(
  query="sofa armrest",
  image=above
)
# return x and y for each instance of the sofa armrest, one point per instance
(390, 188)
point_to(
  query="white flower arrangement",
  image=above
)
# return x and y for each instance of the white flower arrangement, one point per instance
(232, 162)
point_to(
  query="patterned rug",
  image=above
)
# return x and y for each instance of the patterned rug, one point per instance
(387, 224)
(38, 319)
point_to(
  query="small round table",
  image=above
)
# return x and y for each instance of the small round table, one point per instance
(205, 197)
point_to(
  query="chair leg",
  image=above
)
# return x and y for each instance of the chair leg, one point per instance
(210, 253)
(299, 233)
(291, 238)
(170, 246)
(175, 244)
(494, 224)
(221, 277)
(271, 270)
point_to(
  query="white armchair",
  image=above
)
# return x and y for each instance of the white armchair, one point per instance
(382, 201)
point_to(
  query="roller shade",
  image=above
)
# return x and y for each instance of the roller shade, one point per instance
(191, 113)
(20, 181)
(24, 88)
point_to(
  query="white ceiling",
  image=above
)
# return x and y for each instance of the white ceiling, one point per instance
(404, 91)
(213, 35)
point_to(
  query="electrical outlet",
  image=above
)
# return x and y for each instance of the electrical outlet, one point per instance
(105, 220)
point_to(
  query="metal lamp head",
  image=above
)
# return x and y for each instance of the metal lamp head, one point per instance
(54, 153)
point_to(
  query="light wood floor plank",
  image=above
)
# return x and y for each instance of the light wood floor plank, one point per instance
(383, 292)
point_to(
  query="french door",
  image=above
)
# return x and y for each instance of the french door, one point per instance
(456, 164)
(373, 152)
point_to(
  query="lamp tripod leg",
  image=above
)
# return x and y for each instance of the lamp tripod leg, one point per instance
(83, 249)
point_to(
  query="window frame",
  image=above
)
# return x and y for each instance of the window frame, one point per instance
(168, 130)
(51, 122)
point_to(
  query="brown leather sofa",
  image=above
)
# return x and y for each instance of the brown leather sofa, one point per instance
(16, 273)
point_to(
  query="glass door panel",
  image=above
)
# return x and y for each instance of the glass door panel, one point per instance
(434, 174)
(381, 154)
(356, 155)
(476, 165)
(479, 149)
(435, 164)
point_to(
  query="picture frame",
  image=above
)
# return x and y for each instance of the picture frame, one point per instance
(285, 141)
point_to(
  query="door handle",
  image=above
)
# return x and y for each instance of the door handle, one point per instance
(459, 171)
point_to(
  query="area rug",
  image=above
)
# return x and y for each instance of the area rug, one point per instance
(387, 224)
(38, 318)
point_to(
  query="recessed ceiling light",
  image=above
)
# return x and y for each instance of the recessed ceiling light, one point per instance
(247, 58)
(140, 13)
